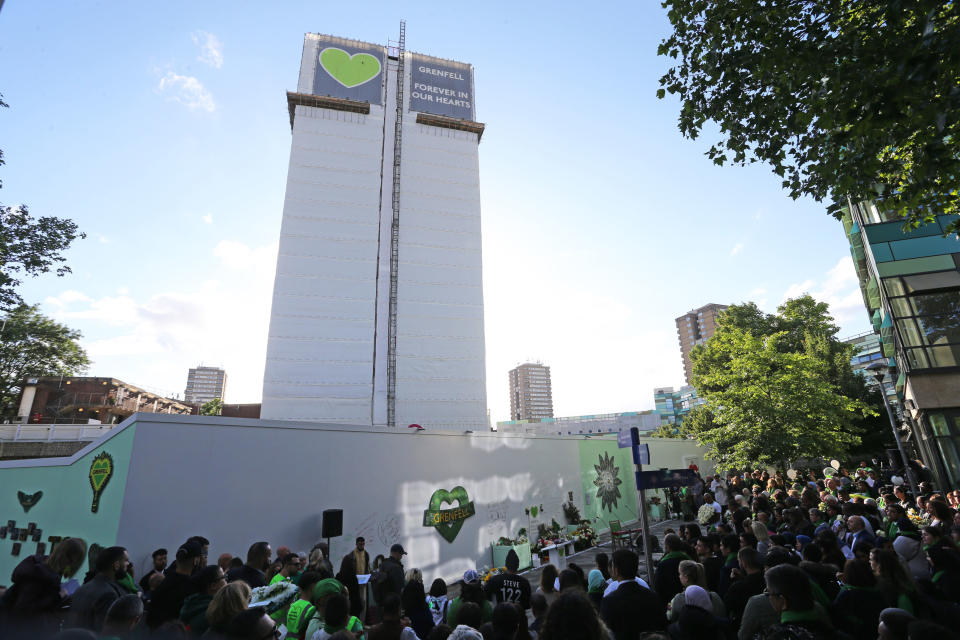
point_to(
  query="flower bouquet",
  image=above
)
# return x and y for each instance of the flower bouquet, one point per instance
(584, 537)
(492, 571)
(274, 597)
(919, 519)
(707, 515)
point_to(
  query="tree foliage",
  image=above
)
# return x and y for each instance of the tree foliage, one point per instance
(667, 430)
(842, 98)
(30, 246)
(212, 408)
(777, 387)
(33, 345)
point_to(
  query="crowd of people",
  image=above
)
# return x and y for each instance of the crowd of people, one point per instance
(768, 557)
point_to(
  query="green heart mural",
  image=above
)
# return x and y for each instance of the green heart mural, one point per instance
(448, 522)
(350, 71)
(101, 470)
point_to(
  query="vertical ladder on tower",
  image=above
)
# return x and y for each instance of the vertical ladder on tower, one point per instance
(395, 238)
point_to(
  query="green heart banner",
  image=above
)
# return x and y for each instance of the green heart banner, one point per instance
(349, 70)
(448, 522)
(101, 470)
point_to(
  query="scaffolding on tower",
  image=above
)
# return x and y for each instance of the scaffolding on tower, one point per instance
(395, 237)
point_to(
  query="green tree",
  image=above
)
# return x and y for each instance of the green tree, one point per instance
(29, 246)
(841, 98)
(212, 408)
(777, 387)
(31, 345)
(667, 430)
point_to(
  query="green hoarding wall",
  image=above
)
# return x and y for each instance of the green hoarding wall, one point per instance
(57, 500)
(601, 465)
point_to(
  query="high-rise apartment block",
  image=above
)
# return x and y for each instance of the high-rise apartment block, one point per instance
(377, 315)
(205, 384)
(530, 392)
(696, 327)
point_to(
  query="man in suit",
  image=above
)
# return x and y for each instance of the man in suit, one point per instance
(858, 532)
(631, 609)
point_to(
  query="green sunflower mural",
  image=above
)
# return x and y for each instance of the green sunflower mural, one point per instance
(607, 482)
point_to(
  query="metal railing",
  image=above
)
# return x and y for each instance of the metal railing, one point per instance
(52, 432)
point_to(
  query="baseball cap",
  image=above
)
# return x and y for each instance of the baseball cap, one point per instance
(398, 548)
(327, 587)
(470, 576)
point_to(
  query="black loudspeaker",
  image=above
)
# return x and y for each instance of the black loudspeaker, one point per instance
(332, 523)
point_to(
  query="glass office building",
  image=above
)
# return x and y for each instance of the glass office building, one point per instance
(910, 280)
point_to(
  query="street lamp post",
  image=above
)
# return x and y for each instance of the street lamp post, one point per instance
(878, 371)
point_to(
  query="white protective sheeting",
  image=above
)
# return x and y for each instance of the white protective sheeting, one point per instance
(320, 347)
(441, 374)
(327, 349)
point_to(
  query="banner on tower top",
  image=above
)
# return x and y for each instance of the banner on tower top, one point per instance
(441, 87)
(349, 69)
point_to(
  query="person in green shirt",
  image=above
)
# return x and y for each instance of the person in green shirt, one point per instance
(290, 568)
(300, 612)
(337, 618)
(322, 592)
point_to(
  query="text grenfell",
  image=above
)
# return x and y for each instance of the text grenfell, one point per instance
(440, 73)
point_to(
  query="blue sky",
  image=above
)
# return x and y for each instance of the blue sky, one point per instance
(162, 130)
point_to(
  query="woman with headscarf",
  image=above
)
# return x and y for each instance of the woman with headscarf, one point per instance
(693, 574)
(910, 551)
(697, 620)
(596, 585)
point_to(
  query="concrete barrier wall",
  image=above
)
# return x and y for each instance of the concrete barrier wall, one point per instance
(238, 481)
(57, 498)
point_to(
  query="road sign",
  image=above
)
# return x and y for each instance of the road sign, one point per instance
(628, 437)
(641, 453)
(664, 478)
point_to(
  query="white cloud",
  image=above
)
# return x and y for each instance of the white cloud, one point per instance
(186, 90)
(759, 291)
(798, 289)
(67, 297)
(103, 239)
(839, 288)
(737, 248)
(211, 49)
(151, 342)
(208, 218)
